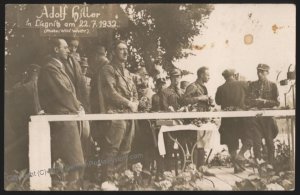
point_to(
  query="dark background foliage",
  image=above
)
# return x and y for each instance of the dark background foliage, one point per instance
(154, 32)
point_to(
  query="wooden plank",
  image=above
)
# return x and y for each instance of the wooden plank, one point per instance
(173, 115)
(225, 175)
(242, 175)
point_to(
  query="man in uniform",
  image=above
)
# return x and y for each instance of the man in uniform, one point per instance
(171, 100)
(58, 96)
(231, 96)
(172, 95)
(196, 94)
(84, 67)
(263, 94)
(160, 83)
(120, 96)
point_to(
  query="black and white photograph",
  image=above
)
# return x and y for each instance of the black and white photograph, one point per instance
(149, 97)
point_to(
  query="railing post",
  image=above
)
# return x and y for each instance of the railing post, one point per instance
(293, 142)
(39, 153)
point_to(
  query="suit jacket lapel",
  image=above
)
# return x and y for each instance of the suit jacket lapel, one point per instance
(123, 77)
(61, 66)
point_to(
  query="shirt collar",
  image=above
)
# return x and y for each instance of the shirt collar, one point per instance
(58, 61)
(200, 83)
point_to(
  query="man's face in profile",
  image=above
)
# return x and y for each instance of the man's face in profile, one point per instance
(63, 50)
(205, 76)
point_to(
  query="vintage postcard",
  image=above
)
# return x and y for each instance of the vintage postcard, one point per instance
(150, 97)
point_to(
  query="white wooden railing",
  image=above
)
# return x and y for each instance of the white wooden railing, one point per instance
(39, 134)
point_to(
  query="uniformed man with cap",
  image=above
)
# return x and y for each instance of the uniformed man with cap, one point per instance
(172, 100)
(160, 84)
(172, 95)
(263, 94)
(231, 96)
(84, 67)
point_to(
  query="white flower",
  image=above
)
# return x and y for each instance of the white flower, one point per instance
(137, 167)
(260, 161)
(129, 174)
(274, 186)
(109, 186)
(168, 175)
(187, 176)
(165, 184)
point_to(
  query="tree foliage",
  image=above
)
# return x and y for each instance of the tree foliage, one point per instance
(162, 31)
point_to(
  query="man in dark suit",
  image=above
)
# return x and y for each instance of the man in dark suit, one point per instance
(231, 96)
(57, 95)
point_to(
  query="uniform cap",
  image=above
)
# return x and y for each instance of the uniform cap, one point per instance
(264, 67)
(159, 78)
(175, 72)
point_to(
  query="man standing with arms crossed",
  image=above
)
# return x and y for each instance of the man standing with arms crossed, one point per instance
(120, 96)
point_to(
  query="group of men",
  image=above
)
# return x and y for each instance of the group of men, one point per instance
(63, 88)
(238, 95)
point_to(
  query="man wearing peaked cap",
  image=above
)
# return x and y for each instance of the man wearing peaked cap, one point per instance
(263, 94)
(171, 100)
(175, 72)
(263, 67)
(84, 65)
